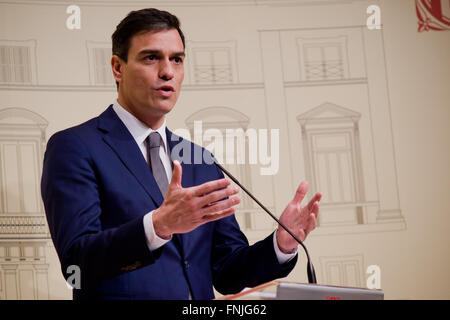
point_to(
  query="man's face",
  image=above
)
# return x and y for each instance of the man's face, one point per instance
(150, 81)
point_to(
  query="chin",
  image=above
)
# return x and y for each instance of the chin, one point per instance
(165, 106)
(163, 110)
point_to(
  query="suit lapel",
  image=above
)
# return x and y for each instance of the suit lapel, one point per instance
(117, 136)
(122, 142)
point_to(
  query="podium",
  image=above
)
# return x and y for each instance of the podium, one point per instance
(282, 290)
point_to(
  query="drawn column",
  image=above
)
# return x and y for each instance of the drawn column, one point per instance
(276, 111)
(42, 281)
(382, 126)
(11, 290)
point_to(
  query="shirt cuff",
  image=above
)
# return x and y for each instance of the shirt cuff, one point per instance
(281, 256)
(153, 241)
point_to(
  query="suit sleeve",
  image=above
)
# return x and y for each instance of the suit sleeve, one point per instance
(70, 192)
(236, 265)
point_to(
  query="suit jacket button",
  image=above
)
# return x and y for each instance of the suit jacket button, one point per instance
(186, 263)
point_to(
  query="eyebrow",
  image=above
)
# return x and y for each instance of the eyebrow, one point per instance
(156, 52)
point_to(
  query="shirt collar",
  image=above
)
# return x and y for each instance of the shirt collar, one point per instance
(139, 130)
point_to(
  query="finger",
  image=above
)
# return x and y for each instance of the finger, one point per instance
(301, 192)
(219, 206)
(315, 209)
(312, 224)
(210, 186)
(221, 214)
(315, 199)
(302, 235)
(175, 181)
(217, 195)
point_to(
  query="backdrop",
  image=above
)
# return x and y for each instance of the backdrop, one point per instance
(358, 91)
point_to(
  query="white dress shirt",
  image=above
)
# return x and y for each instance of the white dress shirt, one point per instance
(140, 132)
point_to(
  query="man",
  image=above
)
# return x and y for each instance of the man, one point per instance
(139, 225)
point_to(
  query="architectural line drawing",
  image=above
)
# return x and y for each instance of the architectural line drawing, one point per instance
(18, 62)
(181, 3)
(24, 234)
(386, 84)
(112, 87)
(328, 140)
(285, 104)
(272, 72)
(99, 54)
(318, 83)
(322, 82)
(343, 270)
(332, 28)
(249, 217)
(339, 174)
(386, 214)
(212, 62)
(323, 58)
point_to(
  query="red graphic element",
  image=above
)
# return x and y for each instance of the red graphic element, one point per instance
(332, 298)
(433, 14)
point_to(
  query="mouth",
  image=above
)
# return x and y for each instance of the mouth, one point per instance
(166, 91)
(166, 88)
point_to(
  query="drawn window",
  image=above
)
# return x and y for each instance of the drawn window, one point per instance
(323, 62)
(332, 152)
(99, 63)
(333, 156)
(323, 59)
(213, 62)
(17, 62)
(343, 271)
(213, 66)
(22, 135)
(20, 176)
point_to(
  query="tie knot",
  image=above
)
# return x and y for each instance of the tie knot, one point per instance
(154, 139)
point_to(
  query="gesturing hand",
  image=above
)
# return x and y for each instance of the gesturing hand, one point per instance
(300, 220)
(185, 209)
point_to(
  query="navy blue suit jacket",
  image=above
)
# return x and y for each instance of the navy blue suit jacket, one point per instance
(96, 187)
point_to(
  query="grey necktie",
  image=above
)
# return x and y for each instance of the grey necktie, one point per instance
(154, 141)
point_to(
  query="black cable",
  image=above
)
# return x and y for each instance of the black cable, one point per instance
(310, 268)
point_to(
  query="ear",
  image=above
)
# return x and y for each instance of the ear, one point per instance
(117, 66)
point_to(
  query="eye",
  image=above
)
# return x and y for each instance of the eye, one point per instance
(178, 60)
(151, 57)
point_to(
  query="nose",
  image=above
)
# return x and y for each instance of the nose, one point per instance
(166, 71)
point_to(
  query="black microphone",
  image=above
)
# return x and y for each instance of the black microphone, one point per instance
(310, 267)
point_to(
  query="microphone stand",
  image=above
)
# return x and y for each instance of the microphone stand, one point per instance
(310, 268)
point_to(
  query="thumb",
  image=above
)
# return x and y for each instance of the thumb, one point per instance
(175, 181)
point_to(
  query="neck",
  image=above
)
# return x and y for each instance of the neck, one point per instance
(152, 121)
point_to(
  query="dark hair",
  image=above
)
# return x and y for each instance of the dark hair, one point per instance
(141, 20)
